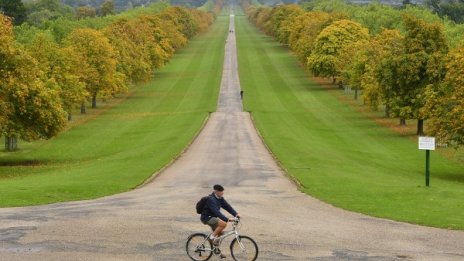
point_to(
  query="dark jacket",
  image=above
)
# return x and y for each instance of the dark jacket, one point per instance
(213, 206)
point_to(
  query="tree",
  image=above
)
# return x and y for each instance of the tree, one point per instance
(377, 17)
(61, 67)
(202, 19)
(417, 65)
(376, 79)
(42, 11)
(14, 9)
(150, 36)
(133, 59)
(6, 55)
(52, 6)
(356, 59)
(182, 19)
(107, 8)
(31, 109)
(445, 102)
(306, 28)
(40, 17)
(434, 5)
(86, 11)
(262, 17)
(453, 10)
(97, 62)
(324, 60)
(282, 21)
(329, 6)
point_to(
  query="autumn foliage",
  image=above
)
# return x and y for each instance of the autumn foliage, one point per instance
(407, 69)
(44, 81)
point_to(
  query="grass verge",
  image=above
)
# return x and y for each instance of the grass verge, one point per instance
(337, 153)
(124, 145)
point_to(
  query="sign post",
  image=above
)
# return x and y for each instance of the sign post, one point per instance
(427, 144)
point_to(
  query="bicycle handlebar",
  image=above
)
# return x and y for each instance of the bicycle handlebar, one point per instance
(236, 220)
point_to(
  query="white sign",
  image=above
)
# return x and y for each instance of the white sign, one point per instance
(427, 143)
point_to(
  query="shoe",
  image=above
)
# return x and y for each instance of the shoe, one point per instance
(216, 241)
(222, 256)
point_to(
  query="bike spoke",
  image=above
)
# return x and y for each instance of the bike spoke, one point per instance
(244, 249)
(198, 248)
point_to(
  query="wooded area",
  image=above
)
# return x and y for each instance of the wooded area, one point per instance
(46, 72)
(401, 59)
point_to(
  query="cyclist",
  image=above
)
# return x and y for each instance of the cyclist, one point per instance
(212, 215)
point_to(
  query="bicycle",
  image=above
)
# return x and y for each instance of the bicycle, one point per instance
(200, 248)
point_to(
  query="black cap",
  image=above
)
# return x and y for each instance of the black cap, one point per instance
(218, 187)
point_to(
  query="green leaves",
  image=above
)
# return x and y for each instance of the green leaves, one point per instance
(14, 9)
(32, 108)
(414, 66)
(42, 83)
(404, 69)
(445, 102)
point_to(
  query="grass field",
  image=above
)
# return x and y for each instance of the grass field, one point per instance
(127, 143)
(335, 152)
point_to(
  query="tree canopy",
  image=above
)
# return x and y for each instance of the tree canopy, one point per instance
(399, 58)
(46, 72)
(14, 9)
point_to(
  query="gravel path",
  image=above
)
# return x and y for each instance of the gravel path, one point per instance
(153, 222)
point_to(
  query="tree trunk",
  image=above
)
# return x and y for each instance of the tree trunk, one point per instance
(387, 111)
(11, 143)
(420, 127)
(356, 93)
(69, 116)
(83, 108)
(94, 100)
(402, 122)
(334, 80)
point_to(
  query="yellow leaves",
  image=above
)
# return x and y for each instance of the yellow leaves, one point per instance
(90, 63)
(407, 73)
(35, 109)
(6, 28)
(423, 36)
(202, 19)
(97, 58)
(330, 44)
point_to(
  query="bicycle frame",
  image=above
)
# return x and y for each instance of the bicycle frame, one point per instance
(234, 231)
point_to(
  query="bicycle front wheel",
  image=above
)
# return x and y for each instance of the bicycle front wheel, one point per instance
(198, 247)
(244, 249)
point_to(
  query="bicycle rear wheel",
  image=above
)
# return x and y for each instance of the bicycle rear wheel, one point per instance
(244, 249)
(198, 247)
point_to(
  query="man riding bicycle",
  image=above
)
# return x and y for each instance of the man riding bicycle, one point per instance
(212, 216)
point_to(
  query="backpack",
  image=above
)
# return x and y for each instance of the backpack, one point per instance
(201, 204)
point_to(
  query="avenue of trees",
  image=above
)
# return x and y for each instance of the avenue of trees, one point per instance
(50, 73)
(405, 65)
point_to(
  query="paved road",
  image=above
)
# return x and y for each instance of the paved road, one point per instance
(152, 223)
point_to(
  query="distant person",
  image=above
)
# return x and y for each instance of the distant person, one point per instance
(212, 215)
(241, 95)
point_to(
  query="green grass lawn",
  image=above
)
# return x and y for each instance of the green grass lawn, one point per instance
(125, 144)
(336, 153)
